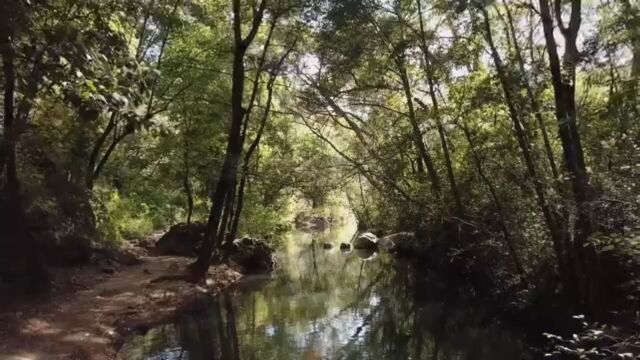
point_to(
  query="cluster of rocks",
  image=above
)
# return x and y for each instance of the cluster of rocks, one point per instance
(247, 255)
(396, 243)
(367, 244)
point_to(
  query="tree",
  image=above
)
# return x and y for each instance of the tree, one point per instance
(226, 183)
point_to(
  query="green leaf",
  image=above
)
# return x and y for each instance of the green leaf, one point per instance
(90, 84)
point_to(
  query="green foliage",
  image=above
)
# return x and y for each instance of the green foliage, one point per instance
(594, 342)
(379, 100)
(120, 219)
(264, 221)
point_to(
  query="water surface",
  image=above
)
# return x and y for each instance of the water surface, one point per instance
(326, 304)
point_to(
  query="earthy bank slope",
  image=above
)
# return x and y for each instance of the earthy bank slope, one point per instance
(90, 310)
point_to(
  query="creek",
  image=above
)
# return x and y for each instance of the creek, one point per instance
(328, 304)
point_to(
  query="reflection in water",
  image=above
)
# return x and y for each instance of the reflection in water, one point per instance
(326, 304)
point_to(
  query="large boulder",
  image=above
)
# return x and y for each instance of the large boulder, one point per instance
(366, 240)
(181, 239)
(250, 256)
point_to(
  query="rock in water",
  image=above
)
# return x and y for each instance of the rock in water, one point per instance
(181, 239)
(251, 256)
(366, 241)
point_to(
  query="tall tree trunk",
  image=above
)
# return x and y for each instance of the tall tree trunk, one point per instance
(555, 234)
(15, 219)
(535, 106)
(235, 219)
(228, 176)
(563, 78)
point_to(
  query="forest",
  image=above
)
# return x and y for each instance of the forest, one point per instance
(499, 140)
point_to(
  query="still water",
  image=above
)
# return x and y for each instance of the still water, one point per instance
(327, 304)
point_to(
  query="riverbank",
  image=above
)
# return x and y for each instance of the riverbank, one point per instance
(92, 308)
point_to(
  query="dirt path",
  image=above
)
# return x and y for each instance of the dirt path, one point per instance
(93, 309)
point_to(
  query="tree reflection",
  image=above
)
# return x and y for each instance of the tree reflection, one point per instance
(330, 305)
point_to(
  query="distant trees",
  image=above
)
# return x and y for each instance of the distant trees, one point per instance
(440, 56)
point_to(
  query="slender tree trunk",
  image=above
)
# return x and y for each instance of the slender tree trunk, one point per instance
(117, 139)
(367, 217)
(228, 176)
(556, 237)
(16, 221)
(186, 182)
(535, 106)
(436, 113)
(632, 84)
(256, 80)
(417, 133)
(496, 203)
(189, 192)
(235, 219)
(447, 156)
(226, 215)
(235, 222)
(93, 158)
(563, 79)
